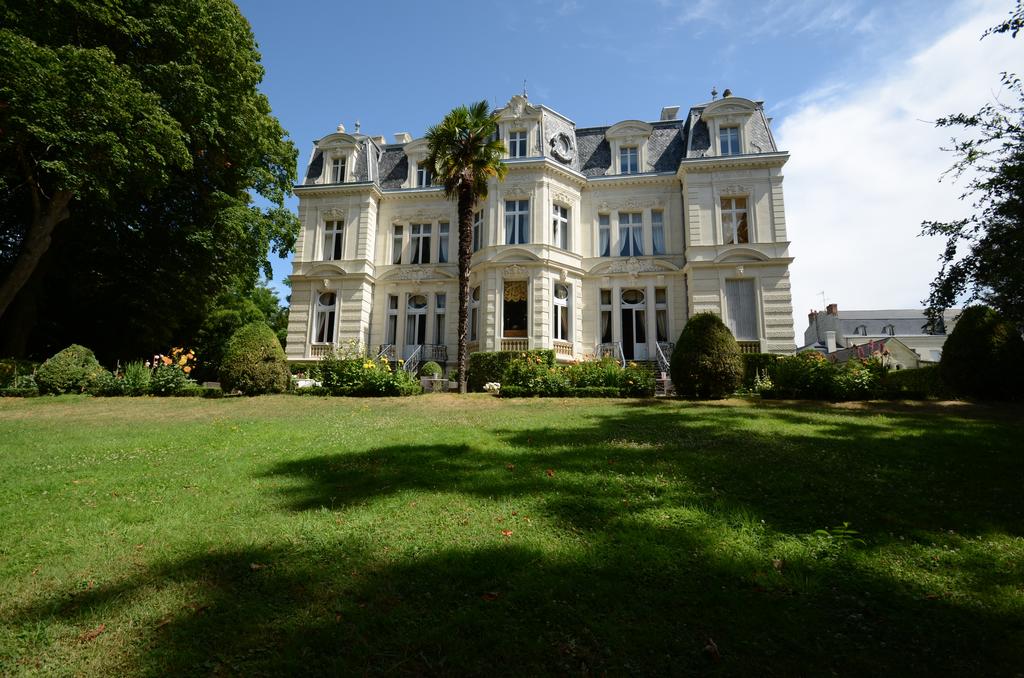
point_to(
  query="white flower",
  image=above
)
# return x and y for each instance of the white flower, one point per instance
(492, 387)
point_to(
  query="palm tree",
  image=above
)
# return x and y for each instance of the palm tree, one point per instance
(463, 154)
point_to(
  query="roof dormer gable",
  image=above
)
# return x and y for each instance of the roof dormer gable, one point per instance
(727, 121)
(629, 140)
(337, 152)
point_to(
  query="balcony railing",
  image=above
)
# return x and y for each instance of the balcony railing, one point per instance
(515, 344)
(320, 350)
(749, 346)
(563, 349)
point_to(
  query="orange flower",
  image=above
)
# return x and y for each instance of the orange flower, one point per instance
(188, 368)
(182, 360)
(166, 360)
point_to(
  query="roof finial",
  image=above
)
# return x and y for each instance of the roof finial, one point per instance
(714, 93)
(341, 127)
(357, 127)
(524, 89)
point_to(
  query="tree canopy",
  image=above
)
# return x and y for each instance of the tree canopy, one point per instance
(463, 154)
(134, 144)
(983, 253)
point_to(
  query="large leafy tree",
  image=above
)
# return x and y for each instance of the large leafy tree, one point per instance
(464, 153)
(983, 256)
(134, 141)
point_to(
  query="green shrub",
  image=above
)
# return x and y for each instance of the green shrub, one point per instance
(706, 362)
(594, 392)
(605, 372)
(984, 356)
(19, 392)
(312, 391)
(808, 374)
(755, 364)
(431, 369)
(490, 366)
(254, 362)
(367, 377)
(13, 371)
(170, 380)
(69, 371)
(857, 379)
(636, 382)
(306, 367)
(136, 378)
(924, 382)
(107, 385)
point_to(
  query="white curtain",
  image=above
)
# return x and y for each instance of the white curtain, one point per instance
(659, 240)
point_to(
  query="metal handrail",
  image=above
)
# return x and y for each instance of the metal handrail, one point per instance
(612, 348)
(663, 362)
(413, 361)
(386, 351)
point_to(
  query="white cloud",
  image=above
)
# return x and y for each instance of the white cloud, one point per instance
(864, 169)
(772, 18)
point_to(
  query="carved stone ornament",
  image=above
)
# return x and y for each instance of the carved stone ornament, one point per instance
(563, 147)
(334, 213)
(417, 275)
(632, 266)
(515, 271)
(518, 190)
(732, 189)
(326, 284)
(563, 197)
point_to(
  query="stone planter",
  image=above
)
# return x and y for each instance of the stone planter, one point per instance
(432, 385)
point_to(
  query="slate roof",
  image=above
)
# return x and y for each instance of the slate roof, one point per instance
(904, 321)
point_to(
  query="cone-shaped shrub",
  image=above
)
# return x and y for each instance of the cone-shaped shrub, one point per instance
(71, 371)
(254, 362)
(706, 362)
(983, 357)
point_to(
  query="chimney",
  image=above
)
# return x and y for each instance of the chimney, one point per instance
(669, 112)
(402, 137)
(379, 140)
(811, 316)
(830, 341)
(832, 309)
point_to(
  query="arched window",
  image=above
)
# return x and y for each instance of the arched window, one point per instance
(326, 312)
(561, 312)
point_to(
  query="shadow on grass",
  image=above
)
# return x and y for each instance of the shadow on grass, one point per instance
(667, 506)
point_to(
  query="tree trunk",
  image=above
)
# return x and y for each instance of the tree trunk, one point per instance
(45, 217)
(465, 254)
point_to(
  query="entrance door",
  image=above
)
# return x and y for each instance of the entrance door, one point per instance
(634, 325)
(415, 324)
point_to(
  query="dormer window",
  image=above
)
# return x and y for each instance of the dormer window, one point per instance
(423, 176)
(729, 140)
(338, 170)
(517, 144)
(889, 330)
(862, 330)
(629, 160)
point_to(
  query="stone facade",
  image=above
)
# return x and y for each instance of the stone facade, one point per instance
(597, 237)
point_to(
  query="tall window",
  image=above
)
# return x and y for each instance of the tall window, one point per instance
(606, 316)
(658, 232)
(729, 140)
(474, 315)
(661, 313)
(631, 234)
(560, 227)
(561, 312)
(478, 228)
(517, 144)
(604, 235)
(338, 170)
(333, 231)
(517, 222)
(419, 243)
(391, 329)
(423, 176)
(416, 320)
(734, 221)
(742, 307)
(440, 306)
(396, 245)
(629, 162)
(442, 242)
(323, 319)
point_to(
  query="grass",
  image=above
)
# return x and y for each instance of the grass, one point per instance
(448, 535)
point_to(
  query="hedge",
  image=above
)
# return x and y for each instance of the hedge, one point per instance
(584, 392)
(924, 382)
(11, 368)
(254, 362)
(984, 356)
(754, 363)
(488, 366)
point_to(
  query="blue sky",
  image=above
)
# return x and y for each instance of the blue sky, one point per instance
(851, 85)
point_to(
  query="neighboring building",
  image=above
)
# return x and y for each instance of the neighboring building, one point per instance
(833, 329)
(893, 353)
(600, 239)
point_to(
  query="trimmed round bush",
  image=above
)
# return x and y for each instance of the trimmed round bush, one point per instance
(70, 371)
(984, 356)
(706, 362)
(254, 362)
(431, 369)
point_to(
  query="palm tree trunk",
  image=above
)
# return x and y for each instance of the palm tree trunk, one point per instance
(465, 253)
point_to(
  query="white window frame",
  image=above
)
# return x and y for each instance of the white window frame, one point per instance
(608, 308)
(397, 243)
(733, 212)
(419, 243)
(631, 156)
(731, 135)
(518, 217)
(631, 234)
(474, 314)
(658, 224)
(478, 228)
(661, 310)
(604, 231)
(518, 143)
(338, 166)
(329, 324)
(413, 314)
(440, 311)
(334, 240)
(391, 322)
(560, 226)
(423, 176)
(561, 308)
(443, 241)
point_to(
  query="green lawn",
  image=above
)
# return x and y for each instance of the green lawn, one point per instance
(471, 535)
